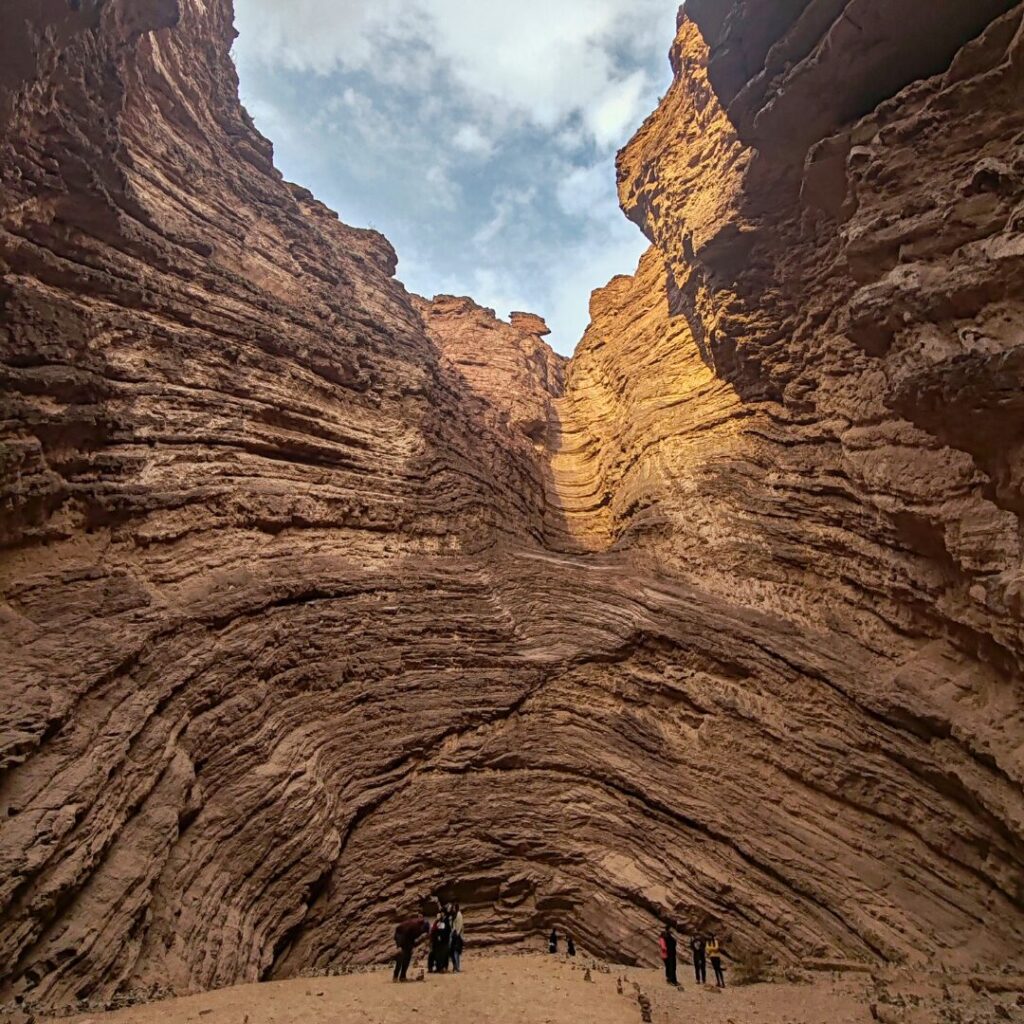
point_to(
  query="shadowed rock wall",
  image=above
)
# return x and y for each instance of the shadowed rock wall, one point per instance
(318, 597)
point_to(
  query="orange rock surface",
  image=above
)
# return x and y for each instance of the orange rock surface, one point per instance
(319, 597)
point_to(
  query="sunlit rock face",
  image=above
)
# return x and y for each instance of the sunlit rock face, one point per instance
(857, 283)
(319, 597)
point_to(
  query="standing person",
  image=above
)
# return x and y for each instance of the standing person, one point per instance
(570, 946)
(458, 927)
(553, 941)
(667, 944)
(407, 934)
(432, 943)
(715, 956)
(700, 965)
(440, 934)
(446, 949)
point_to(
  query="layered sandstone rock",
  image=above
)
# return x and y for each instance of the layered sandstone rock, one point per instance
(855, 289)
(840, 291)
(506, 368)
(319, 597)
(226, 430)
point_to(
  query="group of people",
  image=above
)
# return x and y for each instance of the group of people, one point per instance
(701, 951)
(447, 930)
(446, 941)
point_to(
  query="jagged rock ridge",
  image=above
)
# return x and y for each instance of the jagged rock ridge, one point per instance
(318, 596)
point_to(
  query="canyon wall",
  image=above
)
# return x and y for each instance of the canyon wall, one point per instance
(319, 597)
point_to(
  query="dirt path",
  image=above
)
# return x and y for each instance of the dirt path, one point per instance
(506, 990)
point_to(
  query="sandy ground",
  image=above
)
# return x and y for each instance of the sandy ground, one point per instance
(507, 990)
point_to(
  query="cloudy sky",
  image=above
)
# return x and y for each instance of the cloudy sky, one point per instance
(478, 135)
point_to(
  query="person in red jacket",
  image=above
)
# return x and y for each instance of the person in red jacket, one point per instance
(407, 934)
(667, 944)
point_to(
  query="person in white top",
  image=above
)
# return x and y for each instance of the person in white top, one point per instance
(458, 927)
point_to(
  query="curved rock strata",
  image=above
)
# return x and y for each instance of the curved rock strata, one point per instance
(318, 597)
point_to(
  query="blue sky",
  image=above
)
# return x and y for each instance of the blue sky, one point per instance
(480, 137)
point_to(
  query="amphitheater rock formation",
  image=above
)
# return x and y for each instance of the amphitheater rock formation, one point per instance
(319, 597)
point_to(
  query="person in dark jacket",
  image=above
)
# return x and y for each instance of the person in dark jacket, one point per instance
(440, 943)
(698, 952)
(407, 934)
(667, 945)
(553, 941)
(570, 946)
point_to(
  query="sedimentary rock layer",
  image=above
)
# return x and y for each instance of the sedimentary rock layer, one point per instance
(861, 293)
(225, 430)
(319, 597)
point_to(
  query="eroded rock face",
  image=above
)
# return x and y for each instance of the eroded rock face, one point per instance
(841, 285)
(319, 597)
(507, 366)
(226, 430)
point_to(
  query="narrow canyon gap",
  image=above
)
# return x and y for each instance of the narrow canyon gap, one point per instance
(318, 596)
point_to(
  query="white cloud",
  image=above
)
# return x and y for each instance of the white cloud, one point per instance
(505, 203)
(442, 191)
(314, 35)
(621, 108)
(588, 191)
(471, 140)
(478, 136)
(541, 60)
(501, 292)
